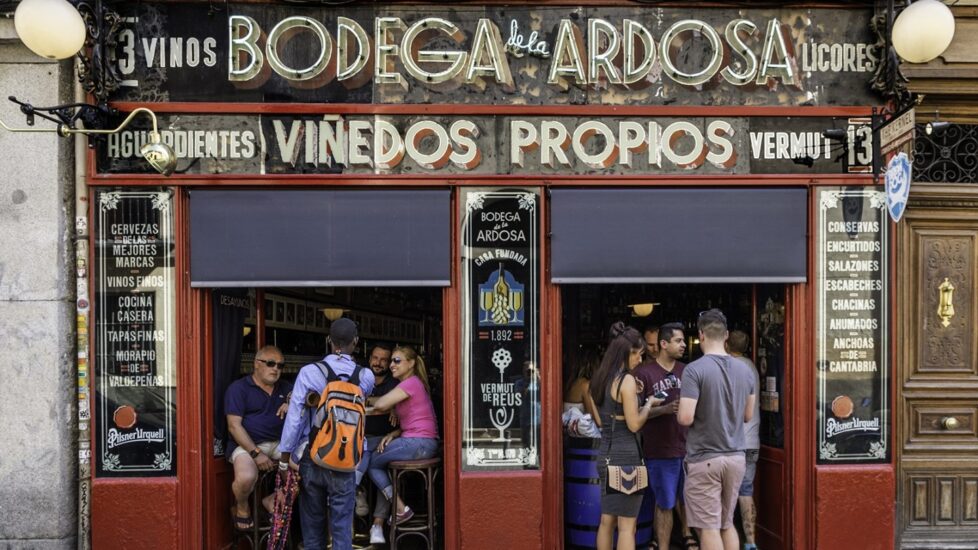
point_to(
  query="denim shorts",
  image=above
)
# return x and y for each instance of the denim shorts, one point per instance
(747, 486)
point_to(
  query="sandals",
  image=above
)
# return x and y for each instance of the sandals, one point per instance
(690, 541)
(241, 523)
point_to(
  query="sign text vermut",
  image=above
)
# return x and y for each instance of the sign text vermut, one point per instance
(494, 144)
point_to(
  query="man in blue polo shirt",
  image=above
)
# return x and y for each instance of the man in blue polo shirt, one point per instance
(255, 406)
(320, 485)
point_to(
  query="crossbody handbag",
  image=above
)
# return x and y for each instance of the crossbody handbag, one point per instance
(626, 480)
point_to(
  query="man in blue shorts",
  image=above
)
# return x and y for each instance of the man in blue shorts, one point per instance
(663, 439)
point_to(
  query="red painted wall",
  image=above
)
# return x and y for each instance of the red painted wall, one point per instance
(854, 507)
(134, 513)
(501, 511)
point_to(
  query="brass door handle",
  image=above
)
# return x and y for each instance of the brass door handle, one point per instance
(945, 306)
(950, 423)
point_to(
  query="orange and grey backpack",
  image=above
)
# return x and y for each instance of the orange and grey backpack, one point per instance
(338, 421)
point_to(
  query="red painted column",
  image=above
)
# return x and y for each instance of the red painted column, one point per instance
(134, 513)
(854, 507)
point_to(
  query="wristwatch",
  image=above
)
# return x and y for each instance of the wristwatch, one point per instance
(255, 452)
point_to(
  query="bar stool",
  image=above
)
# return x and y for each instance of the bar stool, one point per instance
(257, 536)
(421, 525)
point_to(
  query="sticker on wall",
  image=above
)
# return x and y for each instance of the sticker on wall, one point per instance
(898, 178)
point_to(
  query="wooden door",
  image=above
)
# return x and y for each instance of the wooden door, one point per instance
(937, 370)
(771, 482)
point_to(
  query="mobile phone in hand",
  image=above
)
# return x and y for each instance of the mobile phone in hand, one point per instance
(661, 395)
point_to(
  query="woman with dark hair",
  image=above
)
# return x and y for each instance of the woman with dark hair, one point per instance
(616, 392)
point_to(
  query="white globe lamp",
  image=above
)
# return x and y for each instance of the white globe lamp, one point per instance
(923, 31)
(50, 28)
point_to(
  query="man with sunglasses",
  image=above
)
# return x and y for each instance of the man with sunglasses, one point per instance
(255, 405)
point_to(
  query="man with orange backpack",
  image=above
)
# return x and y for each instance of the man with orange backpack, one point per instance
(329, 425)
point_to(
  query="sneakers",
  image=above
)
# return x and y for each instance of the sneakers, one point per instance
(362, 509)
(407, 514)
(377, 534)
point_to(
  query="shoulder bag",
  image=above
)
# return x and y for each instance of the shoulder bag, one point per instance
(626, 480)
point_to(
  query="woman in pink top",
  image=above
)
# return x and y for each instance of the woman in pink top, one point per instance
(417, 434)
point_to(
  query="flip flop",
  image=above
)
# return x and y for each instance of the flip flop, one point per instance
(241, 523)
(691, 542)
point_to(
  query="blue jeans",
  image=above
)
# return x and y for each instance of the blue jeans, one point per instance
(322, 487)
(382, 508)
(402, 448)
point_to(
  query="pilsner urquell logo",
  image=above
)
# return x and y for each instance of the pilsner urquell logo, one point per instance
(116, 438)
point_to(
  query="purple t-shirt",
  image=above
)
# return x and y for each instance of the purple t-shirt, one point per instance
(662, 436)
(416, 414)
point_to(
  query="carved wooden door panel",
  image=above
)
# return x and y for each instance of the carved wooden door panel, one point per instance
(937, 377)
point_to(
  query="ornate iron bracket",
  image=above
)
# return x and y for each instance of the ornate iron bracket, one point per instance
(888, 79)
(98, 70)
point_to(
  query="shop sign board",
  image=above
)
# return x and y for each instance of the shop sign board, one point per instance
(524, 55)
(897, 132)
(852, 313)
(135, 378)
(497, 145)
(500, 335)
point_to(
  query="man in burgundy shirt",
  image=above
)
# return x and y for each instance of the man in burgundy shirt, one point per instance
(663, 439)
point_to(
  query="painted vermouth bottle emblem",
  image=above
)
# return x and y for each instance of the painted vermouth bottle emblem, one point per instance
(501, 300)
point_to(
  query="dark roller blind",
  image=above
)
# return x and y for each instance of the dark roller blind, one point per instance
(320, 238)
(678, 235)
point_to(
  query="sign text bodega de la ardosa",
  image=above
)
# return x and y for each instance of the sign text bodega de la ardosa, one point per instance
(495, 55)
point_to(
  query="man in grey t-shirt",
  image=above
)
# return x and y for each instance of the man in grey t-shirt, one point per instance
(716, 399)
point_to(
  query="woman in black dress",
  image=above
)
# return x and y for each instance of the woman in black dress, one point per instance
(616, 393)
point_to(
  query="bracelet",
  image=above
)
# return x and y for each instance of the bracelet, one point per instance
(282, 466)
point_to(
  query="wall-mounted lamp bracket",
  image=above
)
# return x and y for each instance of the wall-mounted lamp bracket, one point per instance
(67, 117)
(158, 154)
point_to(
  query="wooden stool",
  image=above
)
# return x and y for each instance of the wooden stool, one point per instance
(257, 536)
(421, 525)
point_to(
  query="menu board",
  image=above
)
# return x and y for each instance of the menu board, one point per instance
(500, 337)
(852, 366)
(135, 378)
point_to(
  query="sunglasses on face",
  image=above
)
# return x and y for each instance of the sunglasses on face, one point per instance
(397, 360)
(272, 364)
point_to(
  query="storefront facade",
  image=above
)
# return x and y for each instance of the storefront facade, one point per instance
(493, 152)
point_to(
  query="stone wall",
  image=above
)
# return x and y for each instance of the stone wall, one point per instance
(38, 398)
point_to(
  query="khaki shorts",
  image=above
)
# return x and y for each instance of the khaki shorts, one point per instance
(711, 491)
(270, 448)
